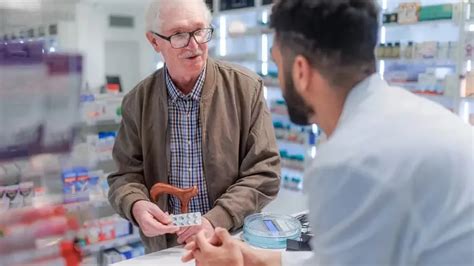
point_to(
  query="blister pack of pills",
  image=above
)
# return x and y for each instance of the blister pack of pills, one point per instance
(186, 219)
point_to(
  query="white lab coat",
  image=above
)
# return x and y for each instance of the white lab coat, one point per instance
(394, 184)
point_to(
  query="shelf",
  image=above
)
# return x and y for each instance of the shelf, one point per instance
(420, 23)
(87, 204)
(446, 101)
(468, 99)
(96, 247)
(293, 168)
(254, 31)
(101, 123)
(26, 256)
(292, 171)
(239, 58)
(411, 86)
(433, 96)
(109, 96)
(419, 60)
(284, 117)
(290, 142)
(271, 82)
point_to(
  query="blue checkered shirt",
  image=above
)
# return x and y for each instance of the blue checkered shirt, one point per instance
(185, 144)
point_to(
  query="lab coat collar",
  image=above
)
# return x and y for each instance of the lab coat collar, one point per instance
(358, 94)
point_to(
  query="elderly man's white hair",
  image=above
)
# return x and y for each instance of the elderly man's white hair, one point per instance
(153, 14)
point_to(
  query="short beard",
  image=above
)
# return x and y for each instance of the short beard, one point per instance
(298, 110)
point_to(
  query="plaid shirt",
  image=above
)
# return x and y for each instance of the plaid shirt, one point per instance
(185, 145)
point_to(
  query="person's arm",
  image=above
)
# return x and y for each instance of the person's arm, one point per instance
(127, 184)
(259, 172)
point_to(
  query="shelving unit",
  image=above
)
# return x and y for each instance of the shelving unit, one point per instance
(45, 172)
(243, 37)
(420, 23)
(30, 183)
(447, 92)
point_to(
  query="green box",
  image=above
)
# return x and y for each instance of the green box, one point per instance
(436, 12)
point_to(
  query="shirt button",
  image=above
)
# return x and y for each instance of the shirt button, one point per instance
(189, 143)
(189, 170)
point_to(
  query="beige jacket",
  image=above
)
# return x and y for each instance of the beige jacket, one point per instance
(241, 158)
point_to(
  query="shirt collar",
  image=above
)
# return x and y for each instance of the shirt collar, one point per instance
(358, 94)
(195, 94)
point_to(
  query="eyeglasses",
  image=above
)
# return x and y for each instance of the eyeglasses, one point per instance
(180, 40)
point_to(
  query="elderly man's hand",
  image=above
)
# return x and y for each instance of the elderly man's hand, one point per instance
(152, 220)
(186, 235)
(219, 250)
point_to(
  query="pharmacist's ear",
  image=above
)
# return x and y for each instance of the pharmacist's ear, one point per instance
(153, 41)
(302, 75)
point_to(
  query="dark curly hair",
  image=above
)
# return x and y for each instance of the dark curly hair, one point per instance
(337, 37)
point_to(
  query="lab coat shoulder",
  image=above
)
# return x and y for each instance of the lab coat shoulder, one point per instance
(388, 127)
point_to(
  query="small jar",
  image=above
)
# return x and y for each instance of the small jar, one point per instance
(409, 51)
(396, 50)
(379, 52)
(388, 51)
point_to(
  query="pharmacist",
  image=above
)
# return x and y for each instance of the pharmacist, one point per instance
(394, 184)
(195, 122)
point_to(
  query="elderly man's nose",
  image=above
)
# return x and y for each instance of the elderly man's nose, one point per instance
(192, 43)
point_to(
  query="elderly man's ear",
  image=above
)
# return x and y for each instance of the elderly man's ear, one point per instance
(152, 39)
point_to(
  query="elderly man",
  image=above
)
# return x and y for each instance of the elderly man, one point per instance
(394, 183)
(195, 122)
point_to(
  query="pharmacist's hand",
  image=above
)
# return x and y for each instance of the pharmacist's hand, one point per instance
(220, 249)
(152, 220)
(187, 234)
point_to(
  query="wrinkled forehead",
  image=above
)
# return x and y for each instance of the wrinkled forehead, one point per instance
(183, 18)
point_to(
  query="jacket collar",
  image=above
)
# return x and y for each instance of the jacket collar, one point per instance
(207, 90)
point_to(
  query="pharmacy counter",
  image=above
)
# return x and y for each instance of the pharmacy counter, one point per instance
(287, 202)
